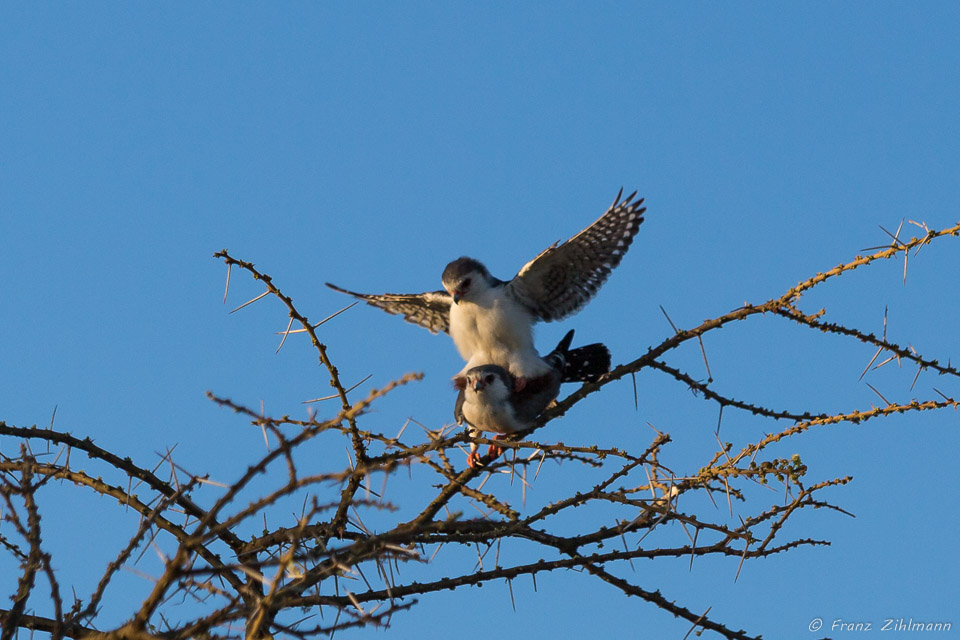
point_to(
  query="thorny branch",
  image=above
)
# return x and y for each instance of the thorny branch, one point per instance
(353, 552)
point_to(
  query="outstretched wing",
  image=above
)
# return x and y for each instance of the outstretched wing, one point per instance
(562, 279)
(430, 310)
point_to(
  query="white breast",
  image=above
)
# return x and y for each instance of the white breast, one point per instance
(497, 417)
(495, 329)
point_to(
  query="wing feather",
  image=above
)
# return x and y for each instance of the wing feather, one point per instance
(430, 310)
(564, 277)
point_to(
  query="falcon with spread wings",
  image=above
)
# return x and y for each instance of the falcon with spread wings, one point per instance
(491, 320)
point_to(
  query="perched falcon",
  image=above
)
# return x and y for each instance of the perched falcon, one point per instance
(489, 401)
(491, 320)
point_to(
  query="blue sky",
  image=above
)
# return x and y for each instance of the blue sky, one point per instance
(368, 145)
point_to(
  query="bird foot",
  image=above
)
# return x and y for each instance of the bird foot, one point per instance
(494, 451)
(473, 460)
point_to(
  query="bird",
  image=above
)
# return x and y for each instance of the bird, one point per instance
(488, 399)
(491, 320)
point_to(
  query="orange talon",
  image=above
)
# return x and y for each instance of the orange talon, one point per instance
(473, 460)
(494, 451)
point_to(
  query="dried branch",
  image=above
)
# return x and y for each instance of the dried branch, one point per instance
(248, 579)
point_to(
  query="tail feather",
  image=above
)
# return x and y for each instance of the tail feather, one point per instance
(564, 345)
(586, 364)
(583, 364)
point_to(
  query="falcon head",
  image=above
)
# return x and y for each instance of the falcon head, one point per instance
(465, 279)
(490, 382)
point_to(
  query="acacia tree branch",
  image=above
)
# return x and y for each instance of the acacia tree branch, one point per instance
(30, 622)
(273, 571)
(124, 465)
(655, 597)
(867, 338)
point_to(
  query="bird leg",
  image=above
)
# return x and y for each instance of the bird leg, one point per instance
(473, 458)
(493, 451)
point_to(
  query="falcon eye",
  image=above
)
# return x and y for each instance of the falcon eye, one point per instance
(465, 283)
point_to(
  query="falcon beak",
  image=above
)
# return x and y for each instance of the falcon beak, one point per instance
(456, 297)
(478, 385)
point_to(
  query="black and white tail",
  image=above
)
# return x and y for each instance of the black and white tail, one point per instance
(583, 364)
